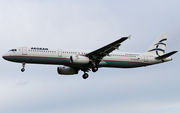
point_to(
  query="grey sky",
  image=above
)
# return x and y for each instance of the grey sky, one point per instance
(89, 25)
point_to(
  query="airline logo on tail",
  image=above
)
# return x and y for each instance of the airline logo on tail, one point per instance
(157, 49)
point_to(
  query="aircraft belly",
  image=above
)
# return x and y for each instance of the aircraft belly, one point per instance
(122, 64)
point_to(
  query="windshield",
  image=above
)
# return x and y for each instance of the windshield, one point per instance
(13, 50)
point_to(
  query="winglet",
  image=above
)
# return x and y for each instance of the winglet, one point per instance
(129, 36)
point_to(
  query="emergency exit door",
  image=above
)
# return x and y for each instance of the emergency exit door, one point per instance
(24, 50)
(59, 52)
(145, 58)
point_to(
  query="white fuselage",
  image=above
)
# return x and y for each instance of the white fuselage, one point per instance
(85, 60)
(62, 57)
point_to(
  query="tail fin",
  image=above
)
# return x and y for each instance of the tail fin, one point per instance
(159, 45)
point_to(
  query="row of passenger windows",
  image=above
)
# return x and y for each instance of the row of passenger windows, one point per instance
(43, 51)
(110, 54)
(76, 53)
(121, 55)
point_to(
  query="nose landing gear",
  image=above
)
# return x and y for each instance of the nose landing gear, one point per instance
(23, 69)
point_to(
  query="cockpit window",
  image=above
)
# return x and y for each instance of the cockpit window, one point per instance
(10, 50)
(13, 50)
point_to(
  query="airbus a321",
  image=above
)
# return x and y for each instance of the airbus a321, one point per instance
(76, 60)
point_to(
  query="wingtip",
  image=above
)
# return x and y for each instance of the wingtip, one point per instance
(129, 36)
(175, 51)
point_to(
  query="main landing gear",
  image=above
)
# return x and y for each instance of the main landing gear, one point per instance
(23, 65)
(85, 75)
(94, 69)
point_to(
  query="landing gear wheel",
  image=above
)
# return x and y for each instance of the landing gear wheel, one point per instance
(85, 76)
(23, 65)
(94, 69)
(22, 69)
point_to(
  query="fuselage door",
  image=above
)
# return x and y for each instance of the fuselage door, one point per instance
(59, 52)
(24, 50)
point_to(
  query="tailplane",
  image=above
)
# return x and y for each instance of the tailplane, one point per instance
(166, 55)
(159, 45)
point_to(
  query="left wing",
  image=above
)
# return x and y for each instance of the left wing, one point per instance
(97, 55)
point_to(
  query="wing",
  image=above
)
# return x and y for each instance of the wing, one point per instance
(97, 55)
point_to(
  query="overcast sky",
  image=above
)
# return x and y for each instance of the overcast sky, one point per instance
(89, 25)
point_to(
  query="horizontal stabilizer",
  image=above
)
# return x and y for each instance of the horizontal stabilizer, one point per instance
(166, 55)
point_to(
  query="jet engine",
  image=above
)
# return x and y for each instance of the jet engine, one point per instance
(79, 59)
(67, 71)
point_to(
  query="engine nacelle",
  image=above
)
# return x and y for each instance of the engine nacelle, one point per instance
(79, 59)
(67, 71)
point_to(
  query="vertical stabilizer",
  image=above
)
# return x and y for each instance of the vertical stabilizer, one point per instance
(158, 47)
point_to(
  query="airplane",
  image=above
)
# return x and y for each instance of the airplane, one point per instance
(86, 60)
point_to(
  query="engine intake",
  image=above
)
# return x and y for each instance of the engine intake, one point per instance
(67, 71)
(79, 59)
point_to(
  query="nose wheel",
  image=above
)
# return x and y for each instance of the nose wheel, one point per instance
(85, 76)
(22, 70)
(23, 65)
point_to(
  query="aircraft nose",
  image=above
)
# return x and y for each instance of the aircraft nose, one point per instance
(4, 56)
